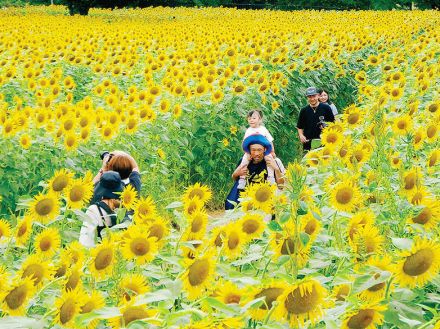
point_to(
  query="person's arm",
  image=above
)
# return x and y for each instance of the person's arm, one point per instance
(240, 171)
(101, 171)
(279, 175)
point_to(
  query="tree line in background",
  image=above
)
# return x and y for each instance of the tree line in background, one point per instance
(82, 6)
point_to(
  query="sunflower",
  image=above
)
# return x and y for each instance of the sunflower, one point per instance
(130, 312)
(234, 240)
(198, 190)
(396, 93)
(428, 214)
(138, 246)
(377, 292)
(252, 225)
(159, 229)
(44, 207)
(129, 197)
(345, 196)
(367, 240)
(368, 316)
(432, 132)
(92, 302)
(103, 258)
(132, 285)
(262, 196)
(60, 180)
(25, 141)
(73, 253)
(47, 242)
(70, 141)
(73, 278)
(79, 192)
(144, 210)
(410, 181)
(310, 225)
(23, 230)
(359, 220)
(286, 243)
(352, 116)
(433, 158)
(229, 293)
(302, 302)
(218, 235)
(5, 229)
(331, 137)
(199, 274)
(197, 223)
(341, 292)
(36, 269)
(402, 125)
(418, 265)
(68, 306)
(271, 291)
(16, 296)
(192, 205)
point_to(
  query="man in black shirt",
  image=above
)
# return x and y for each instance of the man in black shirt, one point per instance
(312, 117)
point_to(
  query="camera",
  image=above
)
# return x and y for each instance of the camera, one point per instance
(321, 122)
(104, 154)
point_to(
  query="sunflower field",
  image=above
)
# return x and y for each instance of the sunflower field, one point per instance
(355, 238)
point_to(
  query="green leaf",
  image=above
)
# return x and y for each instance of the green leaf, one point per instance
(304, 238)
(218, 305)
(175, 204)
(21, 322)
(285, 216)
(274, 226)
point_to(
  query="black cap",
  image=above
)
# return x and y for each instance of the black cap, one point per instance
(109, 184)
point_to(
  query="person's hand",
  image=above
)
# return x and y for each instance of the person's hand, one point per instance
(242, 170)
(270, 161)
(104, 161)
(303, 138)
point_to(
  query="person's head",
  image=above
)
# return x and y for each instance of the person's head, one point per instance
(312, 95)
(255, 118)
(121, 162)
(323, 96)
(257, 146)
(109, 188)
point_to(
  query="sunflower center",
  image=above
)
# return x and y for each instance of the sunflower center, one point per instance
(61, 271)
(196, 224)
(192, 207)
(263, 194)
(45, 244)
(361, 320)
(73, 281)
(402, 125)
(297, 304)
(60, 183)
(271, 295)
(44, 207)
(139, 246)
(431, 131)
(353, 118)
(22, 230)
(377, 287)
(218, 240)
(196, 193)
(77, 193)
(16, 297)
(67, 311)
(288, 246)
(232, 299)
(419, 262)
(410, 181)
(198, 272)
(233, 240)
(433, 108)
(343, 152)
(103, 259)
(35, 271)
(432, 160)
(157, 232)
(343, 292)
(134, 313)
(423, 217)
(250, 226)
(332, 138)
(344, 195)
(87, 307)
(310, 227)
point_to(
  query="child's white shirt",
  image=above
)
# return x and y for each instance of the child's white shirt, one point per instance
(261, 130)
